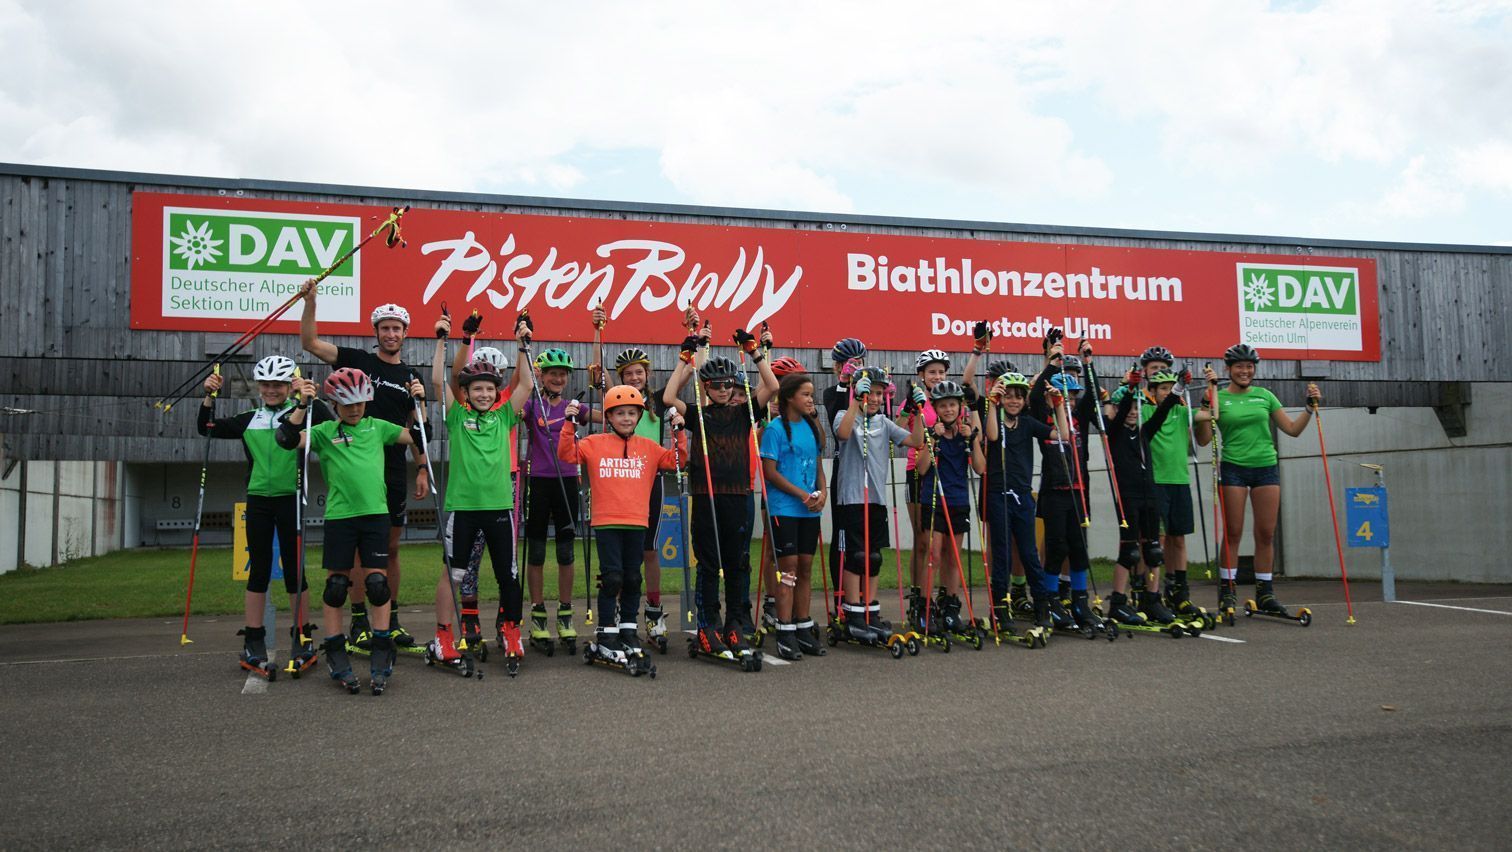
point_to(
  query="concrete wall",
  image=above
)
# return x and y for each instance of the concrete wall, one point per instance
(54, 511)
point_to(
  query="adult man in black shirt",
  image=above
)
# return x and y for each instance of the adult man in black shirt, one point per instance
(394, 387)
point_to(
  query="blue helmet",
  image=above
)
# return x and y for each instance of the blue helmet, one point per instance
(1065, 382)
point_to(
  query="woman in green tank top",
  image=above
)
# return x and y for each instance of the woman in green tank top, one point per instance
(1250, 470)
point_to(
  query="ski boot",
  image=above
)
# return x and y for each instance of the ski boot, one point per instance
(360, 635)
(1268, 605)
(656, 627)
(1228, 601)
(1060, 616)
(1179, 601)
(734, 638)
(472, 632)
(1001, 625)
(956, 624)
(382, 667)
(769, 613)
(742, 619)
(514, 650)
(808, 638)
(302, 656)
(254, 655)
(340, 665)
(565, 634)
(1121, 610)
(924, 619)
(1022, 603)
(1089, 622)
(605, 649)
(402, 637)
(1043, 619)
(787, 641)
(635, 655)
(442, 651)
(539, 638)
(1154, 609)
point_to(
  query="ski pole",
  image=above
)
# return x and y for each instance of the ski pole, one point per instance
(930, 557)
(1102, 430)
(1186, 400)
(955, 548)
(299, 520)
(1220, 526)
(1333, 512)
(392, 239)
(769, 529)
(199, 512)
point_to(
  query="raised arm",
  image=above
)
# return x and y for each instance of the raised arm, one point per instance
(322, 349)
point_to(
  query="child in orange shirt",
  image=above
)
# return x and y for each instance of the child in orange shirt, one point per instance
(621, 468)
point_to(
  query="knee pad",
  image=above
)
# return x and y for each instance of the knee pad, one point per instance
(535, 551)
(874, 564)
(336, 590)
(1128, 554)
(1154, 554)
(565, 552)
(854, 563)
(377, 588)
(611, 584)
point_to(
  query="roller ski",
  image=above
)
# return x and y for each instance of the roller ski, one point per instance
(302, 656)
(1088, 622)
(539, 638)
(1153, 607)
(1002, 630)
(924, 621)
(956, 625)
(442, 652)
(621, 650)
(1121, 611)
(512, 647)
(382, 663)
(656, 628)
(254, 655)
(1228, 600)
(340, 665)
(1270, 607)
(1178, 600)
(860, 625)
(708, 643)
(566, 635)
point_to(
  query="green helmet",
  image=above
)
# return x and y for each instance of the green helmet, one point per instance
(553, 358)
(1015, 380)
(1164, 377)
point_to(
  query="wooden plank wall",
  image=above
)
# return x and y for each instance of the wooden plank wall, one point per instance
(68, 354)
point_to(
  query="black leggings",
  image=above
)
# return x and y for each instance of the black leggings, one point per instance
(264, 516)
(728, 523)
(620, 555)
(498, 537)
(1061, 511)
(551, 501)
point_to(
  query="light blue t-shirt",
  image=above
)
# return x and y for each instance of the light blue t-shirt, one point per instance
(797, 460)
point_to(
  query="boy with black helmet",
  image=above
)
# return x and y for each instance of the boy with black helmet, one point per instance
(846, 357)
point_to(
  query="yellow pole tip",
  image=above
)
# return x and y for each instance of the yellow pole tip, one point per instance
(185, 640)
(1350, 620)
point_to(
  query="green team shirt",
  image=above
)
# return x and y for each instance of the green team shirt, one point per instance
(1168, 447)
(478, 475)
(649, 427)
(352, 459)
(1244, 422)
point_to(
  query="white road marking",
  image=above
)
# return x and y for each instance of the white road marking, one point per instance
(1222, 639)
(254, 685)
(1461, 608)
(769, 660)
(107, 659)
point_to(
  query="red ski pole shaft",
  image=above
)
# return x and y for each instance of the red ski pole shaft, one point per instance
(199, 513)
(1333, 513)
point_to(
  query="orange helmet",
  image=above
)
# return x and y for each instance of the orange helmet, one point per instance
(784, 366)
(623, 395)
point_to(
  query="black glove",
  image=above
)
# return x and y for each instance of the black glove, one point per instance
(1052, 337)
(689, 346)
(471, 325)
(745, 340)
(525, 318)
(981, 332)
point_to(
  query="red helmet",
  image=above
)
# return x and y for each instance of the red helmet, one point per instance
(480, 371)
(349, 385)
(785, 365)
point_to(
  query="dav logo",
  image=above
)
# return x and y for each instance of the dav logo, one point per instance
(242, 264)
(1299, 307)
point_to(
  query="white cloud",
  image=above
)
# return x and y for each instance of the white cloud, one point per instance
(1488, 164)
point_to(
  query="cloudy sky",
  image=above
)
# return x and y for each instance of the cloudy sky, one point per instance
(1370, 120)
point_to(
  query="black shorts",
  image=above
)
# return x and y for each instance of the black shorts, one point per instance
(1142, 519)
(362, 538)
(795, 536)
(553, 502)
(394, 476)
(1174, 502)
(959, 520)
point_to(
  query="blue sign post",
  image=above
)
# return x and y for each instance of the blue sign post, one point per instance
(672, 554)
(1369, 521)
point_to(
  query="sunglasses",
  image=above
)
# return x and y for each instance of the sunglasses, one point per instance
(721, 385)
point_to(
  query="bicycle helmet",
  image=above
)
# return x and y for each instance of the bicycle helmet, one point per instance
(929, 356)
(718, 368)
(1016, 380)
(785, 366)
(1241, 352)
(553, 358)
(947, 390)
(1164, 377)
(1071, 362)
(1001, 367)
(1156, 353)
(633, 355)
(349, 385)
(491, 355)
(623, 395)
(847, 349)
(390, 311)
(274, 368)
(480, 371)
(1065, 382)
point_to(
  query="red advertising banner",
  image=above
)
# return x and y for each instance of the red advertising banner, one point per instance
(210, 263)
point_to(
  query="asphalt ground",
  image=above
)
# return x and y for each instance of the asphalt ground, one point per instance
(1394, 732)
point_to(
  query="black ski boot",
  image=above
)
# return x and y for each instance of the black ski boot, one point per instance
(1022, 604)
(339, 664)
(709, 642)
(769, 613)
(1228, 600)
(1154, 608)
(302, 656)
(1121, 611)
(859, 627)
(254, 655)
(787, 641)
(1087, 621)
(809, 641)
(1042, 615)
(950, 612)
(1060, 617)
(383, 660)
(741, 616)
(607, 647)
(360, 635)
(734, 636)
(472, 631)
(630, 639)
(1265, 599)
(401, 637)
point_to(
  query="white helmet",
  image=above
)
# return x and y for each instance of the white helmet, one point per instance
(491, 355)
(274, 368)
(390, 311)
(929, 356)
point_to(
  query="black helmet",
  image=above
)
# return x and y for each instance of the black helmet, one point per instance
(847, 349)
(1241, 352)
(1071, 362)
(633, 355)
(1156, 353)
(947, 390)
(1000, 367)
(718, 368)
(876, 375)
